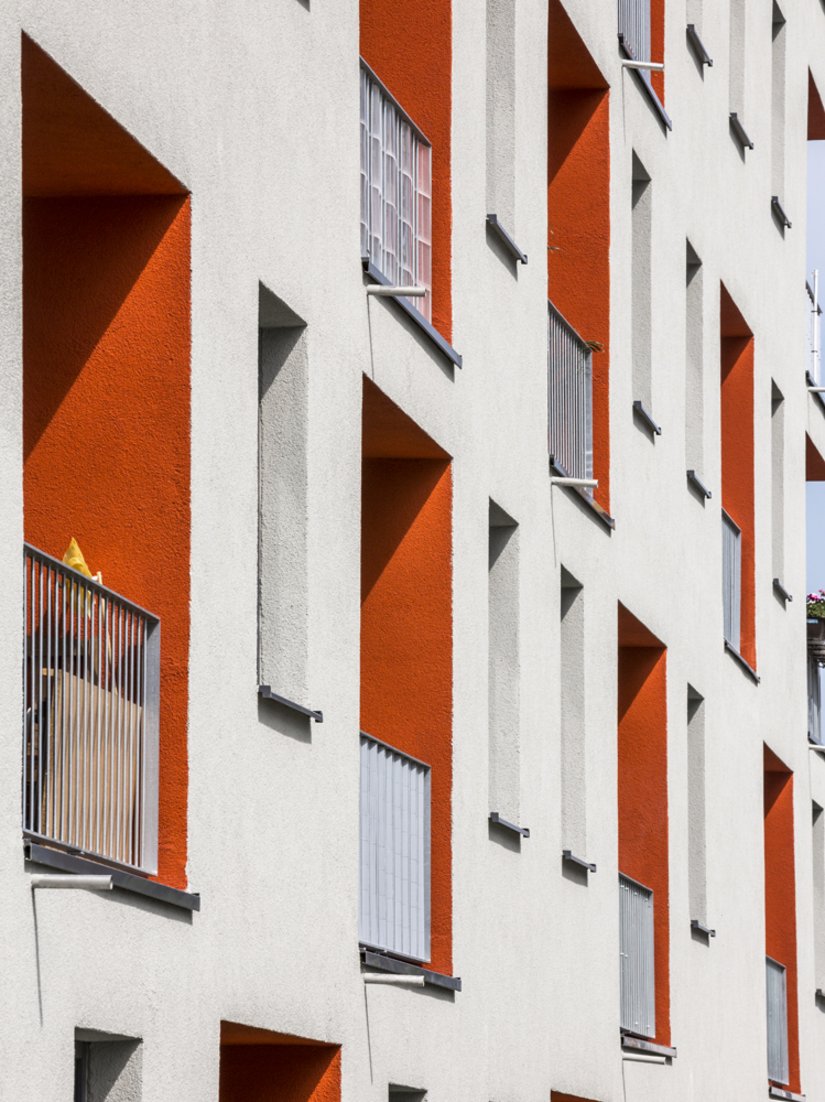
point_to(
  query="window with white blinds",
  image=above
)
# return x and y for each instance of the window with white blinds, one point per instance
(395, 851)
(731, 580)
(636, 953)
(396, 192)
(777, 1003)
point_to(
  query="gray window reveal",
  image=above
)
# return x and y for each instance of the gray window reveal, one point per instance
(636, 944)
(395, 851)
(777, 998)
(731, 580)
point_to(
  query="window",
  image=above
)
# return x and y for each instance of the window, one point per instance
(731, 580)
(694, 362)
(777, 1000)
(283, 398)
(106, 1066)
(503, 664)
(396, 191)
(569, 398)
(642, 284)
(636, 951)
(573, 727)
(697, 855)
(395, 851)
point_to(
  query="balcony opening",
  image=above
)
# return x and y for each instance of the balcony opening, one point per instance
(406, 664)
(643, 832)
(815, 581)
(259, 1065)
(411, 57)
(106, 429)
(738, 536)
(780, 926)
(578, 257)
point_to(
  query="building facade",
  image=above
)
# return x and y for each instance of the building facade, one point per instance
(426, 706)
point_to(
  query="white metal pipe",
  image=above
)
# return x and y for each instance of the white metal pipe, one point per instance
(816, 389)
(583, 483)
(395, 292)
(642, 1059)
(87, 883)
(394, 981)
(650, 66)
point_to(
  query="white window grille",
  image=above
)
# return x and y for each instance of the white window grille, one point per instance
(634, 29)
(395, 851)
(636, 951)
(396, 192)
(815, 733)
(91, 692)
(777, 999)
(569, 398)
(731, 580)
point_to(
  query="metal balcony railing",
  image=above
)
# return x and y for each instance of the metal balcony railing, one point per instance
(569, 398)
(91, 691)
(814, 701)
(396, 191)
(814, 329)
(395, 851)
(634, 29)
(731, 580)
(636, 951)
(777, 1000)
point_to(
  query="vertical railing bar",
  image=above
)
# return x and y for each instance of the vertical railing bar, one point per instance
(120, 705)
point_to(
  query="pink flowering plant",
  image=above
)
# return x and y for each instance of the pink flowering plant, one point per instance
(816, 605)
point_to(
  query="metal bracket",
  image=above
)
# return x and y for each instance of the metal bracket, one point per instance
(497, 820)
(789, 1096)
(383, 962)
(740, 133)
(570, 858)
(640, 412)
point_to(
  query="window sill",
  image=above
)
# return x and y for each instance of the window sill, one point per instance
(505, 238)
(582, 497)
(739, 132)
(505, 824)
(649, 1048)
(646, 418)
(698, 47)
(781, 591)
(124, 881)
(570, 858)
(742, 663)
(266, 693)
(695, 483)
(701, 929)
(778, 211)
(384, 962)
(374, 275)
(780, 1092)
(643, 81)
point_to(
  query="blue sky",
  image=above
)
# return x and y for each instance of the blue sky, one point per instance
(815, 529)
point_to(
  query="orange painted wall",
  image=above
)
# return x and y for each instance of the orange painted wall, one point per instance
(643, 801)
(106, 428)
(737, 419)
(556, 1097)
(406, 642)
(260, 1072)
(578, 212)
(780, 893)
(409, 47)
